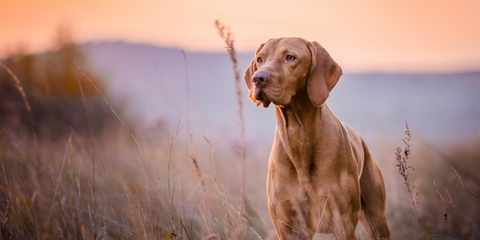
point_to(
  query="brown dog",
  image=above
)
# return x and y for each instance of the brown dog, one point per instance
(321, 176)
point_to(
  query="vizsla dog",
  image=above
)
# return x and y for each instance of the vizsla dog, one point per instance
(321, 176)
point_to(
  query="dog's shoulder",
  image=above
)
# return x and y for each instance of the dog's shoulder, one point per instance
(356, 144)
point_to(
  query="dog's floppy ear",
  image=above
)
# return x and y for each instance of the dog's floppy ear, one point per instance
(249, 74)
(324, 74)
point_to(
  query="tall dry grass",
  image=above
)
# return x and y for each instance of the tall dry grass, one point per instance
(227, 36)
(435, 190)
(403, 168)
(18, 85)
(130, 188)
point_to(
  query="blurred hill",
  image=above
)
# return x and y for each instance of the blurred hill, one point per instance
(436, 105)
(49, 81)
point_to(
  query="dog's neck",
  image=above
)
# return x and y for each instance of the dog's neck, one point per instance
(303, 130)
(301, 114)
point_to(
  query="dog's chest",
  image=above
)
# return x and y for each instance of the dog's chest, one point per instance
(296, 147)
(302, 143)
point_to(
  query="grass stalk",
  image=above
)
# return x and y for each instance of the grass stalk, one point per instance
(59, 177)
(171, 192)
(92, 145)
(118, 117)
(27, 105)
(402, 164)
(187, 89)
(226, 35)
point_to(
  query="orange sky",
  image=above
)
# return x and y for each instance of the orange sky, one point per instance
(361, 35)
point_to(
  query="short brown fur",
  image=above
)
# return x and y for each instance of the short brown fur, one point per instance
(321, 176)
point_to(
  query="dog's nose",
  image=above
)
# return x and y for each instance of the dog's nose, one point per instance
(260, 78)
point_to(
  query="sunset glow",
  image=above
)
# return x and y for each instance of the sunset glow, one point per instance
(363, 36)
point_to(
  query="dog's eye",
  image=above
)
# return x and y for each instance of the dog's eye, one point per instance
(260, 60)
(290, 58)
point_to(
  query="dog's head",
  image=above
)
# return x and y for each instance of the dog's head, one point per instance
(284, 67)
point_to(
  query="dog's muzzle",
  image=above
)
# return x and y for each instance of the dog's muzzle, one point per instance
(260, 78)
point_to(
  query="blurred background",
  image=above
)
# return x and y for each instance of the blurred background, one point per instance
(162, 66)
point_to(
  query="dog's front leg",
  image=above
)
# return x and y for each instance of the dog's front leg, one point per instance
(289, 221)
(345, 230)
(344, 223)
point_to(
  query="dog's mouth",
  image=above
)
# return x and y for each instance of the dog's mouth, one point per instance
(259, 97)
